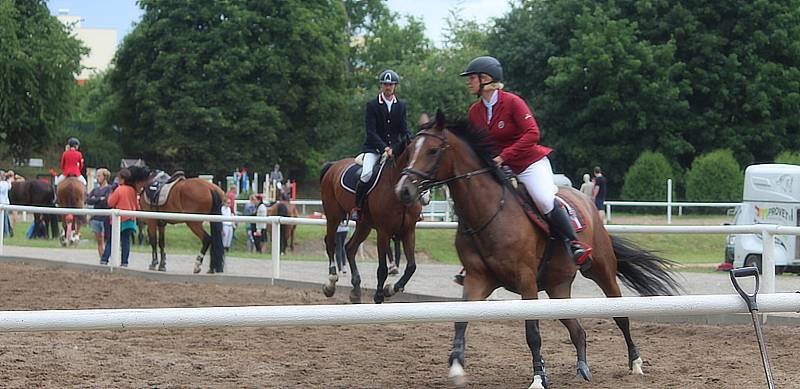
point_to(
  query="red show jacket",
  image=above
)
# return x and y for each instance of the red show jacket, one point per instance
(513, 129)
(71, 163)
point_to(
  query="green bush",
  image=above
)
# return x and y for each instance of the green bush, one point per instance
(646, 180)
(715, 176)
(788, 157)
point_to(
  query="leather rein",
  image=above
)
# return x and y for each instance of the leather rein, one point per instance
(425, 180)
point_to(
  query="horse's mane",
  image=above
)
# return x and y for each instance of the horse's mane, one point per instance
(480, 143)
(139, 173)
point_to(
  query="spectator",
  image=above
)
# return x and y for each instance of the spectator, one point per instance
(587, 187)
(98, 199)
(260, 234)
(227, 228)
(599, 193)
(341, 238)
(5, 187)
(123, 197)
(276, 177)
(250, 210)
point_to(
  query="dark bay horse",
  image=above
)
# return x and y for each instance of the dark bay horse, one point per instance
(71, 193)
(285, 208)
(191, 195)
(36, 193)
(383, 212)
(500, 247)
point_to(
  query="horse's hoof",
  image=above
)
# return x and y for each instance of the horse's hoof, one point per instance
(583, 371)
(328, 290)
(378, 298)
(636, 366)
(152, 266)
(457, 375)
(196, 268)
(538, 383)
(162, 268)
(388, 290)
(355, 296)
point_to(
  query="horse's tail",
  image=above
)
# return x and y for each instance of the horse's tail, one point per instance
(217, 250)
(283, 211)
(325, 169)
(643, 271)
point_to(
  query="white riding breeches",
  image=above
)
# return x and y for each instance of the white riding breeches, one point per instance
(538, 180)
(370, 159)
(61, 178)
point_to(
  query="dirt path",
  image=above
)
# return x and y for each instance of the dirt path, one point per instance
(400, 356)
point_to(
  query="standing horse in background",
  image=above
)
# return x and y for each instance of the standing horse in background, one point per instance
(189, 195)
(383, 212)
(284, 207)
(36, 193)
(500, 245)
(71, 193)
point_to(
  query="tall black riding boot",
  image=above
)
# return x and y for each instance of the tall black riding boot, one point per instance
(361, 194)
(562, 227)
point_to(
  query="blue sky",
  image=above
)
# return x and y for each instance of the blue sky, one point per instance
(121, 14)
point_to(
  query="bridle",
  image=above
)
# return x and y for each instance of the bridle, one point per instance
(425, 180)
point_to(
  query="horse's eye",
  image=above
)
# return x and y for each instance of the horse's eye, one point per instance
(432, 151)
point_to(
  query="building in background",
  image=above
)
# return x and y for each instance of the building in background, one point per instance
(102, 44)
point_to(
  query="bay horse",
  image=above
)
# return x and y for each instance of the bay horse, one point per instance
(285, 208)
(191, 195)
(383, 212)
(36, 193)
(499, 246)
(71, 193)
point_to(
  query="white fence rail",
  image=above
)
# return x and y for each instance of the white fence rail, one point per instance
(442, 209)
(767, 231)
(319, 315)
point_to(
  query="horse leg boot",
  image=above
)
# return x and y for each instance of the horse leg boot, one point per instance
(578, 251)
(361, 195)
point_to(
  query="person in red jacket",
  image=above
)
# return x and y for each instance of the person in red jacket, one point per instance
(71, 162)
(512, 127)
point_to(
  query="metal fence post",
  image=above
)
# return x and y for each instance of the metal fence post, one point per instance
(768, 261)
(608, 213)
(115, 238)
(276, 250)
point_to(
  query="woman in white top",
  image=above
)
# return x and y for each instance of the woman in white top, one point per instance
(588, 186)
(227, 228)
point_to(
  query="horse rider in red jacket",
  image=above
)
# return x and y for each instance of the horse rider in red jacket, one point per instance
(512, 127)
(71, 162)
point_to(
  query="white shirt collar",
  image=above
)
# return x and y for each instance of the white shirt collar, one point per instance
(382, 99)
(489, 104)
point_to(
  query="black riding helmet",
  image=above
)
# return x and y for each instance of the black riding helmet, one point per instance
(486, 65)
(389, 77)
(74, 142)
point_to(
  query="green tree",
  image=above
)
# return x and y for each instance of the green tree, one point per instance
(210, 86)
(788, 157)
(688, 77)
(715, 176)
(38, 63)
(646, 180)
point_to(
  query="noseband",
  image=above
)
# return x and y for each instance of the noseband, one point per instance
(426, 180)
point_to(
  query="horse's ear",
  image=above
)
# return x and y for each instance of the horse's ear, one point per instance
(440, 120)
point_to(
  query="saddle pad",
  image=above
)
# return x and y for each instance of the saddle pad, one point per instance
(535, 215)
(157, 192)
(352, 174)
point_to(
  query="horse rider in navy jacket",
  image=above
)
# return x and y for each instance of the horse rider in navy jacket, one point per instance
(387, 132)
